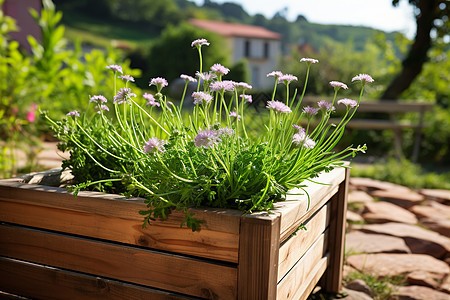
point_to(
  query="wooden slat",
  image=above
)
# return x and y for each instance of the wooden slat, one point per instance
(333, 277)
(295, 247)
(114, 218)
(294, 210)
(300, 276)
(258, 257)
(163, 271)
(44, 282)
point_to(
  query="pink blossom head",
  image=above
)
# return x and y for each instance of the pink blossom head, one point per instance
(338, 85)
(349, 103)
(199, 43)
(115, 68)
(206, 76)
(73, 113)
(247, 98)
(127, 78)
(201, 97)
(301, 139)
(222, 86)
(188, 78)
(310, 111)
(98, 99)
(123, 96)
(101, 107)
(287, 78)
(219, 69)
(207, 138)
(275, 74)
(154, 144)
(309, 61)
(151, 101)
(364, 78)
(244, 85)
(278, 107)
(159, 82)
(234, 114)
(325, 106)
(31, 116)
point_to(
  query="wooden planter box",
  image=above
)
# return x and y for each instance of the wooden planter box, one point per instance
(56, 246)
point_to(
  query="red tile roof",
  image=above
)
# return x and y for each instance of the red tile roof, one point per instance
(235, 29)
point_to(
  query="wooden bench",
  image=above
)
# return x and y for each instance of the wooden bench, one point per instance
(394, 109)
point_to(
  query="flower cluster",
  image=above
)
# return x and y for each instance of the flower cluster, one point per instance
(206, 154)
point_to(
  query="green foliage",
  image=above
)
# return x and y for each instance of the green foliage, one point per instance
(405, 173)
(382, 287)
(171, 55)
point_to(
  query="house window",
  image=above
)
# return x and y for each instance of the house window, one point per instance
(247, 48)
(266, 49)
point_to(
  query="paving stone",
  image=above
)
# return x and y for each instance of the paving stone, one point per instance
(368, 184)
(445, 286)
(432, 210)
(361, 242)
(436, 194)
(403, 198)
(383, 264)
(438, 225)
(359, 197)
(353, 217)
(419, 240)
(423, 278)
(382, 212)
(360, 286)
(355, 295)
(415, 292)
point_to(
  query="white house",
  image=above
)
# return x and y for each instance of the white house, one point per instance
(260, 46)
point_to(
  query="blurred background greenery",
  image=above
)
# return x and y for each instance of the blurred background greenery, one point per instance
(150, 38)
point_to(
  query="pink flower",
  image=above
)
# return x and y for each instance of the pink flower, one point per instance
(348, 102)
(363, 78)
(115, 68)
(123, 95)
(206, 138)
(31, 116)
(226, 85)
(244, 85)
(219, 69)
(101, 107)
(309, 60)
(325, 106)
(310, 111)
(206, 76)
(275, 74)
(278, 107)
(127, 78)
(98, 99)
(234, 114)
(287, 78)
(188, 78)
(201, 97)
(247, 98)
(337, 84)
(199, 42)
(226, 131)
(301, 139)
(73, 113)
(159, 82)
(154, 144)
(150, 100)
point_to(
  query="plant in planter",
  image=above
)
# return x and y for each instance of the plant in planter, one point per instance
(205, 158)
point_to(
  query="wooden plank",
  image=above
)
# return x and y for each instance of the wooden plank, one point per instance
(296, 246)
(294, 210)
(300, 276)
(115, 218)
(333, 276)
(205, 243)
(44, 282)
(258, 257)
(141, 266)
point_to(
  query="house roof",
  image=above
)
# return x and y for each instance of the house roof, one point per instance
(235, 29)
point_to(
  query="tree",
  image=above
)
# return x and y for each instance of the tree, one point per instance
(432, 24)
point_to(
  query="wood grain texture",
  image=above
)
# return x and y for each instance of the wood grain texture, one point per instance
(44, 282)
(140, 266)
(258, 257)
(300, 276)
(296, 246)
(294, 210)
(333, 276)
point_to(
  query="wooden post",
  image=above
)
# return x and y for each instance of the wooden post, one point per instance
(333, 276)
(258, 257)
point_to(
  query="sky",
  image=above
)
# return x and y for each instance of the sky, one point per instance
(378, 14)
